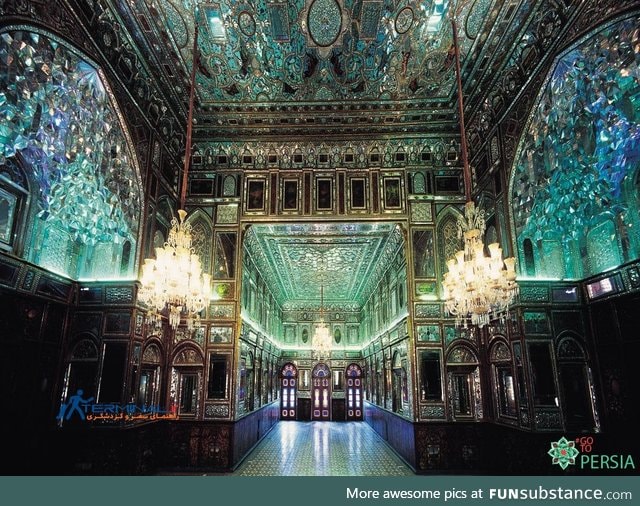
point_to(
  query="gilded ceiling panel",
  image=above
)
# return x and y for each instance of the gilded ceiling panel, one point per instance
(297, 260)
(319, 50)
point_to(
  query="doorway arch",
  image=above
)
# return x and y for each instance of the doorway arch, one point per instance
(288, 391)
(578, 407)
(321, 392)
(354, 392)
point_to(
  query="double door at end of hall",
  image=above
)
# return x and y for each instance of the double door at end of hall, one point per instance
(317, 404)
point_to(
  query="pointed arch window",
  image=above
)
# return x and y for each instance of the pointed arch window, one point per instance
(529, 259)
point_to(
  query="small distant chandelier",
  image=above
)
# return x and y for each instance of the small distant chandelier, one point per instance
(478, 288)
(321, 341)
(174, 280)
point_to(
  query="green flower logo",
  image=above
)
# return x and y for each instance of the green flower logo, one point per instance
(563, 452)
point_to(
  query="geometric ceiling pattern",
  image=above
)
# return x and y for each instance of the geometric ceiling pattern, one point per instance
(385, 65)
(344, 259)
(266, 56)
(319, 50)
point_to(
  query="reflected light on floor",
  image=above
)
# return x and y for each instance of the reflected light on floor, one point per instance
(323, 449)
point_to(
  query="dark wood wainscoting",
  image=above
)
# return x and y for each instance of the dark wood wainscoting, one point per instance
(158, 447)
(252, 428)
(397, 431)
(304, 409)
(338, 413)
(462, 448)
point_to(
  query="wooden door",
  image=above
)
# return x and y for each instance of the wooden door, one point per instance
(321, 392)
(288, 390)
(354, 392)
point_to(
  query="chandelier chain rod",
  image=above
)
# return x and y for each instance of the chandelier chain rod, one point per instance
(477, 288)
(321, 341)
(192, 93)
(174, 280)
(466, 171)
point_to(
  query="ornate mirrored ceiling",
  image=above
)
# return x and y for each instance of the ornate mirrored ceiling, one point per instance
(369, 56)
(319, 50)
(296, 260)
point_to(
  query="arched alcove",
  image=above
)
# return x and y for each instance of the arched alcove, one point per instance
(576, 383)
(186, 381)
(570, 185)
(447, 236)
(148, 393)
(503, 379)
(201, 233)
(81, 374)
(463, 377)
(85, 192)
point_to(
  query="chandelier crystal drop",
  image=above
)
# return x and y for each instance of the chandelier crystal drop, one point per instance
(321, 341)
(478, 288)
(174, 279)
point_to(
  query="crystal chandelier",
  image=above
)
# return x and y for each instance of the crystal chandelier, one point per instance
(321, 341)
(477, 288)
(174, 280)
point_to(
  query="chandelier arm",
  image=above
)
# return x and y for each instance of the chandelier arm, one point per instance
(192, 93)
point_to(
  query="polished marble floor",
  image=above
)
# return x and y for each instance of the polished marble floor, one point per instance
(322, 449)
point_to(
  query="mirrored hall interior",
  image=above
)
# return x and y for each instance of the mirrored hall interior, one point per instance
(325, 153)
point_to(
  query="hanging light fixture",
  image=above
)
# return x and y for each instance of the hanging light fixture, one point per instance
(173, 280)
(321, 341)
(477, 288)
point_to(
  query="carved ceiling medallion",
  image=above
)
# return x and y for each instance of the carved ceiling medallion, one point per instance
(324, 20)
(404, 20)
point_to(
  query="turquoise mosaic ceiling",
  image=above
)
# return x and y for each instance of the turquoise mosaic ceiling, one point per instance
(319, 50)
(576, 168)
(296, 260)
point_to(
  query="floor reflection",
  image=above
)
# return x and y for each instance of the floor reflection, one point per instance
(323, 449)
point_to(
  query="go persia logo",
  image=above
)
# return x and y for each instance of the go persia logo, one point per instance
(565, 453)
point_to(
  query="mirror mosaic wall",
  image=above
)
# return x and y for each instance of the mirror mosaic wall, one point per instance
(65, 148)
(366, 214)
(575, 182)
